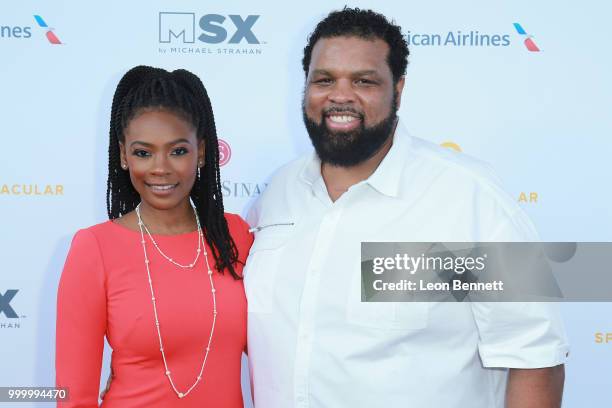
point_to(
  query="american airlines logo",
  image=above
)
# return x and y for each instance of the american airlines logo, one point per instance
(470, 38)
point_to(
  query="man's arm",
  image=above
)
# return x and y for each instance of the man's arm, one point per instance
(535, 388)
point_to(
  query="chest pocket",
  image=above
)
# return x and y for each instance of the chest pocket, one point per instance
(386, 316)
(262, 267)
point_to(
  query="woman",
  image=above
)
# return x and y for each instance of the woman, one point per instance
(162, 278)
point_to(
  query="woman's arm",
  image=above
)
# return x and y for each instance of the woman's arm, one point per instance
(81, 322)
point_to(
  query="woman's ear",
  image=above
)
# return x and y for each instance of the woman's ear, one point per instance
(201, 151)
(123, 156)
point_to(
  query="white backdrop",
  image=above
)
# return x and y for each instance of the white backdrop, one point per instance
(542, 119)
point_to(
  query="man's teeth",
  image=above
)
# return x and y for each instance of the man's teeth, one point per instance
(342, 119)
(162, 188)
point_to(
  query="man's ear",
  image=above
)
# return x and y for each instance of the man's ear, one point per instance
(399, 88)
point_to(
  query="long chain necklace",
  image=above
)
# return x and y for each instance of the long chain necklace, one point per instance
(198, 251)
(143, 228)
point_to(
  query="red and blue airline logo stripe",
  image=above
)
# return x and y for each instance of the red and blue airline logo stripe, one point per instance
(529, 43)
(50, 34)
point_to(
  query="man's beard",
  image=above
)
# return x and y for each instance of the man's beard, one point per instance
(347, 149)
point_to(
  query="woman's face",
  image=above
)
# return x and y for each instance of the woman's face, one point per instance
(162, 154)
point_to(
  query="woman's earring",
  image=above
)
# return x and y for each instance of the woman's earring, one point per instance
(124, 166)
(198, 171)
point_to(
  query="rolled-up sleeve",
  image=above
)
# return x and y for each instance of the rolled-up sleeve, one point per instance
(519, 334)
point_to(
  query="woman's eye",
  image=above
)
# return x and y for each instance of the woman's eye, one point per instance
(179, 151)
(141, 153)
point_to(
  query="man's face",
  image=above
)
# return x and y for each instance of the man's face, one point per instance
(350, 100)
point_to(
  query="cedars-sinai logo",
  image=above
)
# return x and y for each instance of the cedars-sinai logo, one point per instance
(225, 152)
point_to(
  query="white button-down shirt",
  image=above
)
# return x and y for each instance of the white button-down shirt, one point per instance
(313, 343)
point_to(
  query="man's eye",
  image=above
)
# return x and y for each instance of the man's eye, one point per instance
(140, 153)
(364, 82)
(323, 81)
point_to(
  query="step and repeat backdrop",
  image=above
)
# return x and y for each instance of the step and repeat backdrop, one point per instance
(523, 85)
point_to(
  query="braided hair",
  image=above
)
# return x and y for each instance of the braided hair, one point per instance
(146, 88)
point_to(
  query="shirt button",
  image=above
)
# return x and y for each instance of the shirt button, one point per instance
(300, 399)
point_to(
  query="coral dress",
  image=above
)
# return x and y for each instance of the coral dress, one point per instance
(104, 291)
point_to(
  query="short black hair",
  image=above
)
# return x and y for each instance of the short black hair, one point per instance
(366, 24)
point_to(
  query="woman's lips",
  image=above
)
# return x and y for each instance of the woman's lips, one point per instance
(162, 189)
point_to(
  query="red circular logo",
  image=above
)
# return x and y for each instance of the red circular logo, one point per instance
(225, 152)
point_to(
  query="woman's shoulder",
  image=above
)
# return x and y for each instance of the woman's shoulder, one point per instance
(101, 229)
(85, 252)
(101, 232)
(236, 223)
(239, 230)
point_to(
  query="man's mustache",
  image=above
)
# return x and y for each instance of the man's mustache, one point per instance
(342, 109)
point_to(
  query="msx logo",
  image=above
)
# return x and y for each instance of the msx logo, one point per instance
(181, 27)
(5, 303)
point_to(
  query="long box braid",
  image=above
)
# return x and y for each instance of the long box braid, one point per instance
(145, 88)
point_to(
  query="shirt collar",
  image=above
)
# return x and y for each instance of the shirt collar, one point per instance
(311, 171)
(385, 179)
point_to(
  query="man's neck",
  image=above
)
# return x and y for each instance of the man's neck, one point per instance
(339, 179)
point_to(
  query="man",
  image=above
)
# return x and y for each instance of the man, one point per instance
(312, 342)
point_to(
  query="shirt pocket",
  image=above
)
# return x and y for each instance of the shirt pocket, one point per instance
(261, 269)
(390, 316)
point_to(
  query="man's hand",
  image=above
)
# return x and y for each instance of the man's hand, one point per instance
(535, 388)
(108, 384)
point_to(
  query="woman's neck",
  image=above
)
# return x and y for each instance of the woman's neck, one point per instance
(171, 221)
